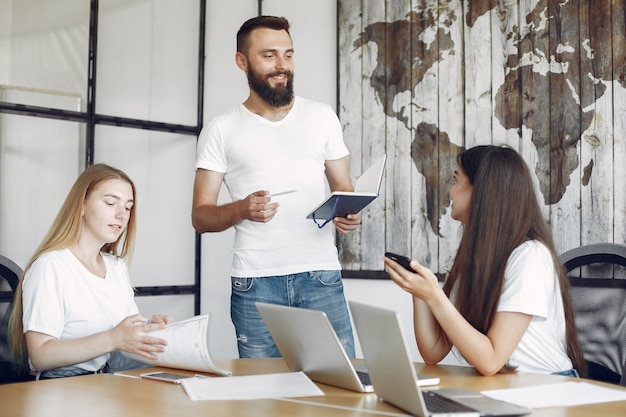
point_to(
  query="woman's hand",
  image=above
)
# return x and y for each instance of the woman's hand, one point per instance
(161, 318)
(132, 335)
(422, 283)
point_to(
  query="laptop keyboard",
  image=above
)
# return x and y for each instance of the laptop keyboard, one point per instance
(364, 377)
(436, 403)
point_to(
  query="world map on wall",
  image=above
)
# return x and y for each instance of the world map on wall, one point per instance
(556, 68)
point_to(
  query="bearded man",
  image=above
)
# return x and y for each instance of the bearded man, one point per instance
(274, 152)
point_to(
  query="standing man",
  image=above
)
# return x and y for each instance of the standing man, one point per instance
(274, 143)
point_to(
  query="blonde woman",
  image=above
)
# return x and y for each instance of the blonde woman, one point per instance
(75, 305)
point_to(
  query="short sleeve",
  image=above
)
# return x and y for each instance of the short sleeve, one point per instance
(336, 148)
(43, 298)
(530, 281)
(210, 152)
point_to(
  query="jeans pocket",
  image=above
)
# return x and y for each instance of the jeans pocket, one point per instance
(328, 278)
(242, 284)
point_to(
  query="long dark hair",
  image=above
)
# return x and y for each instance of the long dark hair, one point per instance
(504, 213)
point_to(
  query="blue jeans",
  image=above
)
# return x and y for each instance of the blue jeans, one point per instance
(117, 362)
(316, 290)
(569, 372)
(69, 371)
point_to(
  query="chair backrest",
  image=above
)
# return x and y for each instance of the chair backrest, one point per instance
(10, 274)
(598, 287)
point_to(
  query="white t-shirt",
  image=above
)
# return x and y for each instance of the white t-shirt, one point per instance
(64, 300)
(531, 287)
(257, 154)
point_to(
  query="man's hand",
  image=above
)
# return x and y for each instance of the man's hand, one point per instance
(257, 207)
(347, 224)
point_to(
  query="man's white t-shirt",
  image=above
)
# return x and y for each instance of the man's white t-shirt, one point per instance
(257, 154)
(531, 287)
(63, 299)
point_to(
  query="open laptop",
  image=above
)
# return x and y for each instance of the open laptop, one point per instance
(308, 343)
(392, 372)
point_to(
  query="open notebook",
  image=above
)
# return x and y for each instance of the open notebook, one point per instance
(308, 342)
(342, 203)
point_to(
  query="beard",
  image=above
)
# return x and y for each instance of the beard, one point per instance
(278, 96)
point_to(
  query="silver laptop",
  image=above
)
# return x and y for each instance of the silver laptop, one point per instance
(308, 343)
(392, 372)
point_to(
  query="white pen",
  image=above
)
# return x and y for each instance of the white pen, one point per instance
(282, 193)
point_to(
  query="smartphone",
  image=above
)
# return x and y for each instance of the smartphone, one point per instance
(402, 260)
(166, 377)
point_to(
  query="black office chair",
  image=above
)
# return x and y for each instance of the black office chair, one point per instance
(598, 287)
(10, 274)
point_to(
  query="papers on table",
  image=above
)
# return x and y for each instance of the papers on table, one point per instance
(558, 395)
(251, 387)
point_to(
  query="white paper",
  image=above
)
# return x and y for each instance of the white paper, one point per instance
(251, 387)
(187, 347)
(558, 395)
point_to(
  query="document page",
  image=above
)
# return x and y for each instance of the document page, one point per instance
(251, 387)
(558, 395)
(187, 347)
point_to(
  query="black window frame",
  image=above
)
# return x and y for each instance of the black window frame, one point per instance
(91, 119)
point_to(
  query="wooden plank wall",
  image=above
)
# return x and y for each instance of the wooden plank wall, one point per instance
(423, 79)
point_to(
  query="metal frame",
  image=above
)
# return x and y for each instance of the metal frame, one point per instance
(91, 119)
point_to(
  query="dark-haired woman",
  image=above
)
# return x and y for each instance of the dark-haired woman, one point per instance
(505, 303)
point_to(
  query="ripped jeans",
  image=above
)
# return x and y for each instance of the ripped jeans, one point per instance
(316, 290)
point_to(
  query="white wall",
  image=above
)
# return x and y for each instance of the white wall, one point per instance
(5, 29)
(314, 33)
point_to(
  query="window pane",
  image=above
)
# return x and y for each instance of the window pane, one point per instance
(178, 307)
(39, 161)
(161, 166)
(44, 46)
(154, 45)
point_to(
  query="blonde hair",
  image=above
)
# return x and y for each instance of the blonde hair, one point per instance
(63, 233)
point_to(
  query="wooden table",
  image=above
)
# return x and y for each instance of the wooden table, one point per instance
(117, 396)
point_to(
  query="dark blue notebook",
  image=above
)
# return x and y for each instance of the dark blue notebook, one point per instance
(342, 203)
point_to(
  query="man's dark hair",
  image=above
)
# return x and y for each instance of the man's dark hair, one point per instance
(269, 22)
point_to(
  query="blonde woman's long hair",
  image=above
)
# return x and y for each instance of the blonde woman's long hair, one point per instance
(64, 233)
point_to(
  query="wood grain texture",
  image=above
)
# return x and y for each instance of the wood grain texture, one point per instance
(546, 77)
